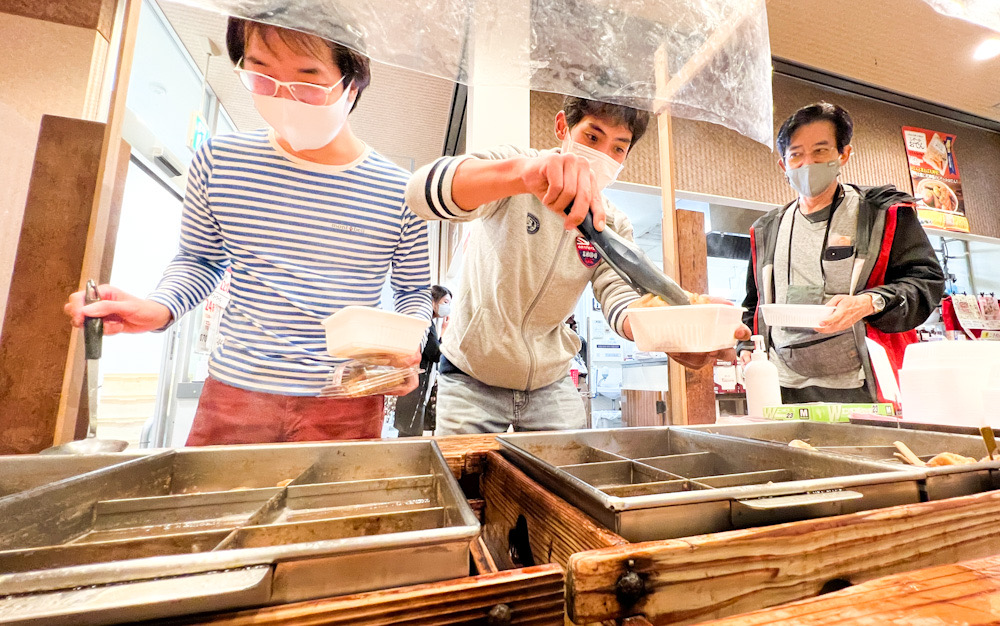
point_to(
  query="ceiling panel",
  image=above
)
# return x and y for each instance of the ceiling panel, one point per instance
(901, 45)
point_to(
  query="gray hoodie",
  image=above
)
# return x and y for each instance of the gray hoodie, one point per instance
(523, 274)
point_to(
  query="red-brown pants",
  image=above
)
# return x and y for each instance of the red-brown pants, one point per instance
(229, 415)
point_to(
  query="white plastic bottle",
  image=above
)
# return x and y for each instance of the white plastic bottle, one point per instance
(761, 380)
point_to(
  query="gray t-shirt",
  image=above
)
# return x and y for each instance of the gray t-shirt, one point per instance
(804, 241)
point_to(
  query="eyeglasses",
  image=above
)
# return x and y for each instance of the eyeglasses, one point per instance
(264, 85)
(796, 158)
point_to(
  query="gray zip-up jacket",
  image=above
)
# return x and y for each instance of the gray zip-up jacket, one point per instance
(523, 274)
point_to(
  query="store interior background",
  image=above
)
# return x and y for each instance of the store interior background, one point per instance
(408, 117)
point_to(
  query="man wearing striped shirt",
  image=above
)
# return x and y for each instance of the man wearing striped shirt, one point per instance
(308, 219)
(506, 352)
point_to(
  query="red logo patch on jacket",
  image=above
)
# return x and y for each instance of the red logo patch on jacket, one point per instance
(589, 255)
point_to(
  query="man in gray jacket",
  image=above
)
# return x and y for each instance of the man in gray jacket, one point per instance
(506, 353)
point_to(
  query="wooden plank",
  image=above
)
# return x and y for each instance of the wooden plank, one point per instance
(534, 596)
(107, 260)
(964, 593)
(50, 252)
(478, 505)
(639, 408)
(692, 270)
(482, 560)
(711, 576)
(100, 219)
(465, 453)
(556, 529)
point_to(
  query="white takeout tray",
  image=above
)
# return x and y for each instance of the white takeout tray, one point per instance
(795, 315)
(692, 328)
(356, 331)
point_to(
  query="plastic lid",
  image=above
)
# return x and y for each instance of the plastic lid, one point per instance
(758, 344)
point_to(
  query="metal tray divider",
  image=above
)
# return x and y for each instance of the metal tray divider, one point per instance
(646, 489)
(688, 462)
(268, 511)
(361, 497)
(342, 528)
(741, 479)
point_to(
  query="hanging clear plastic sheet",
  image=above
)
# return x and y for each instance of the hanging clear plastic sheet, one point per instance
(716, 53)
(982, 12)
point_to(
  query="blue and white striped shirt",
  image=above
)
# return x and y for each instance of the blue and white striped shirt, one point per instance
(303, 240)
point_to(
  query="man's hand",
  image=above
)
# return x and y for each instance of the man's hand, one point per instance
(122, 313)
(745, 357)
(558, 180)
(412, 379)
(698, 360)
(849, 311)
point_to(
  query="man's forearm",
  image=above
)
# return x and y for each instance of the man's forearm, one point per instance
(479, 181)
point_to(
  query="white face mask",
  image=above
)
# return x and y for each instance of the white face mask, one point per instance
(812, 179)
(604, 167)
(304, 126)
(444, 309)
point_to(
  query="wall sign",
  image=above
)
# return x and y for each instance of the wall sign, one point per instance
(937, 185)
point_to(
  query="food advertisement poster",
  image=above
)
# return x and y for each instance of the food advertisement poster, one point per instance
(937, 185)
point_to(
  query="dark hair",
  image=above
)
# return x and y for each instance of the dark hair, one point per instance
(818, 112)
(353, 66)
(578, 108)
(438, 292)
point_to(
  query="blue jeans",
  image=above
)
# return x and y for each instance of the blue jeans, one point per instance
(465, 406)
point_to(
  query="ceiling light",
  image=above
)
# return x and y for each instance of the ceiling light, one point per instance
(987, 50)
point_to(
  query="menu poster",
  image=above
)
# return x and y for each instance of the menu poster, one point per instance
(937, 185)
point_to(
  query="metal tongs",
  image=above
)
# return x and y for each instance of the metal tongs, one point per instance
(93, 337)
(631, 263)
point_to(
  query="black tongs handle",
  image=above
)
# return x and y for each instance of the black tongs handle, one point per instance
(631, 263)
(93, 327)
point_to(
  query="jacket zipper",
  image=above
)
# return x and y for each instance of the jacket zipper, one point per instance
(531, 307)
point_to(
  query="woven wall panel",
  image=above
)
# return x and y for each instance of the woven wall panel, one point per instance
(714, 160)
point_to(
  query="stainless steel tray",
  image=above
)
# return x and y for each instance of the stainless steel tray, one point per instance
(22, 472)
(661, 483)
(192, 530)
(873, 442)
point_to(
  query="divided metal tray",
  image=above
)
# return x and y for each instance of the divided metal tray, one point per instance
(873, 442)
(195, 530)
(661, 483)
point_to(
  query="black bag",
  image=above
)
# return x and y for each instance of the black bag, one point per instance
(822, 356)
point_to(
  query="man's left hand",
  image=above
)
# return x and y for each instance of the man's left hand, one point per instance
(849, 311)
(698, 360)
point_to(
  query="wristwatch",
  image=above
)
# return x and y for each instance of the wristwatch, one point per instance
(878, 302)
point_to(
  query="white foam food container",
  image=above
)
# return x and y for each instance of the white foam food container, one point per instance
(795, 315)
(691, 328)
(356, 331)
(951, 382)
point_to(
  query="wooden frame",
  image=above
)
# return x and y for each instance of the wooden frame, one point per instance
(964, 593)
(530, 596)
(709, 576)
(100, 221)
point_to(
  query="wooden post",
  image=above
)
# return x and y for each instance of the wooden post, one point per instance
(692, 272)
(676, 373)
(100, 219)
(667, 86)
